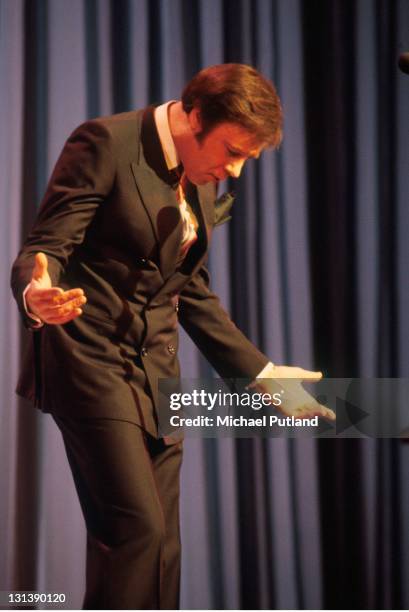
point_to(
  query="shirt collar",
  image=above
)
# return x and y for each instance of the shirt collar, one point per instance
(162, 125)
(153, 151)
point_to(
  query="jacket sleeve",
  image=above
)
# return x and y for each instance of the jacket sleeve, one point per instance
(81, 180)
(228, 350)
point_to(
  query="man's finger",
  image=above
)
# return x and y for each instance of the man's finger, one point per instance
(330, 414)
(67, 296)
(40, 266)
(63, 309)
(55, 295)
(309, 375)
(45, 295)
(319, 410)
(65, 319)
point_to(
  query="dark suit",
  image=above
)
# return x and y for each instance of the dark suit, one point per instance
(110, 224)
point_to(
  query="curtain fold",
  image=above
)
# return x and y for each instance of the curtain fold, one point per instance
(11, 137)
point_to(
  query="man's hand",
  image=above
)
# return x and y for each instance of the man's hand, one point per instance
(52, 305)
(295, 401)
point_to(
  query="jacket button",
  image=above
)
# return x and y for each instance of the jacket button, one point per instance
(171, 349)
(144, 351)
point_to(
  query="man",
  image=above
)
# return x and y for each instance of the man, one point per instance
(115, 259)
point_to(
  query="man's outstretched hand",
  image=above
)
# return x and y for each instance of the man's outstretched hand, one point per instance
(296, 401)
(51, 304)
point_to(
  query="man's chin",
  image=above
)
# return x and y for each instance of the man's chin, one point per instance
(207, 178)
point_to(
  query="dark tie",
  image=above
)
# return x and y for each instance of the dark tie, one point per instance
(175, 174)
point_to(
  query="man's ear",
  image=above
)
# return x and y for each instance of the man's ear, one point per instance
(195, 121)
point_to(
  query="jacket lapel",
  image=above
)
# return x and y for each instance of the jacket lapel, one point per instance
(162, 208)
(206, 196)
(204, 208)
(159, 200)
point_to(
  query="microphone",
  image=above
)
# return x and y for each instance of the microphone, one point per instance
(403, 62)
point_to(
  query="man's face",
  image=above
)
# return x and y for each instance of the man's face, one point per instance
(220, 154)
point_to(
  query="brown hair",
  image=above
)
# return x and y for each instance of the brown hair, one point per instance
(236, 93)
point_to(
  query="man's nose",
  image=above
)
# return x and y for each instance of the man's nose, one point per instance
(233, 168)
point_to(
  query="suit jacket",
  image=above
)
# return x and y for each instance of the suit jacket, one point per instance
(110, 223)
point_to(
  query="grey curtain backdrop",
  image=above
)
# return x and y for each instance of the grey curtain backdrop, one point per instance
(313, 267)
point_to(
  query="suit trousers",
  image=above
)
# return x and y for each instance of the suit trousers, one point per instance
(128, 487)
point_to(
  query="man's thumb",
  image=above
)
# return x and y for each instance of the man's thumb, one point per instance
(40, 266)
